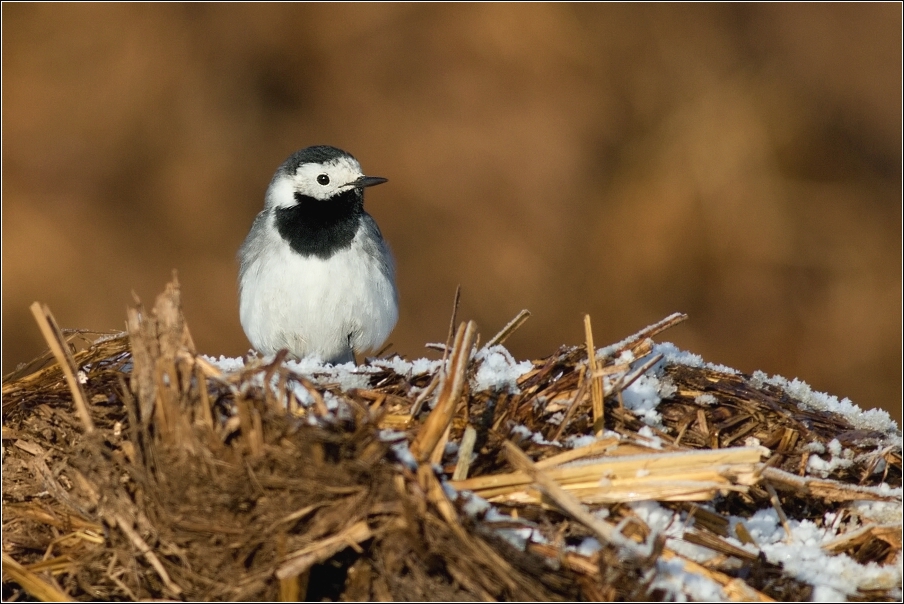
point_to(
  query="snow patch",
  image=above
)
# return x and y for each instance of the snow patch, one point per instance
(642, 397)
(498, 371)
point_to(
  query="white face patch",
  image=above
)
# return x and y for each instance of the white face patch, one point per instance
(317, 180)
(322, 181)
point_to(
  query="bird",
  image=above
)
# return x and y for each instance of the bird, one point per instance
(316, 276)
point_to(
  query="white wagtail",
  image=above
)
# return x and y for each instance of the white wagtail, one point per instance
(316, 276)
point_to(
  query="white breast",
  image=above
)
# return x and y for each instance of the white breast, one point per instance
(315, 307)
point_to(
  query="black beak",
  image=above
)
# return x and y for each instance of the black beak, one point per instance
(367, 181)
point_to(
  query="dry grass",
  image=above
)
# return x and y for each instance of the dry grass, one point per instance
(136, 469)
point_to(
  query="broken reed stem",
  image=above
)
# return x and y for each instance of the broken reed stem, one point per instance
(449, 395)
(32, 583)
(892, 530)
(289, 588)
(464, 454)
(144, 549)
(437, 456)
(744, 535)
(319, 405)
(568, 503)
(509, 329)
(736, 589)
(205, 414)
(608, 533)
(651, 330)
(653, 473)
(627, 380)
(455, 304)
(51, 332)
(251, 425)
(596, 384)
(422, 398)
(824, 488)
(597, 448)
(773, 499)
(572, 408)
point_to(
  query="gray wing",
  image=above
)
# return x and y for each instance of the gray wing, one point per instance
(376, 247)
(254, 244)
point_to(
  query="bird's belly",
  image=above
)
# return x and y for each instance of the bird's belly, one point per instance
(316, 307)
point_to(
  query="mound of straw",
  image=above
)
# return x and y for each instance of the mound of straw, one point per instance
(135, 469)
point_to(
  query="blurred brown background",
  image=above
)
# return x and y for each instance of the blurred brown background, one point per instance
(741, 163)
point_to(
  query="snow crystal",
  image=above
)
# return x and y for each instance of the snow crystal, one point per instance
(521, 430)
(880, 512)
(872, 419)
(450, 449)
(449, 490)
(667, 387)
(403, 454)
(665, 522)
(764, 525)
(602, 513)
(759, 379)
(403, 367)
(339, 407)
(626, 356)
(681, 584)
(674, 355)
(479, 508)
(517, 537)
(653, 441)
(824, 593)
(815, 447)
(386, 435)
(802, 555)
(498, 370)
(806, 561)
(642, 397)
(348, 380)
(538, 438)
(839, 459)
(494, 515)
(706, 400)
(608, 351)
(475, 506)
(578, 441)
(302, 394)
(346, 375)
(834, 447)
(657, 517)
(225, 364)
(588, 547)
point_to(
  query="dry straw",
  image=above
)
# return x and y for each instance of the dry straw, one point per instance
(136, 469)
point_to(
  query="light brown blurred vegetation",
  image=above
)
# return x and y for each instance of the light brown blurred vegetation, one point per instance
(741, 163)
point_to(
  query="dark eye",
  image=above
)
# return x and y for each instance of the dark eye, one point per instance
(323, 179)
